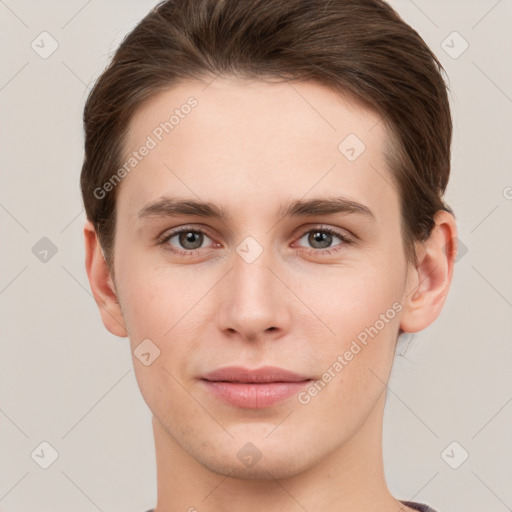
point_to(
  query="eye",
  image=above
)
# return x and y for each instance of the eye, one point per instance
(184, 241)
(321, 240)
(187, 241)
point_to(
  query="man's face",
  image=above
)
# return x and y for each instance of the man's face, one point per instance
(256, 288)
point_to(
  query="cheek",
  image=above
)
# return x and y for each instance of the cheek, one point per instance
(164, 306)
(362, 310)
(357, 362)
(348, 299)
(153, 297)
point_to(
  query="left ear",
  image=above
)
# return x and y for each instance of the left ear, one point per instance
(429, 281)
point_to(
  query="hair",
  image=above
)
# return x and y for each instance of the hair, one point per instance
(357, 47)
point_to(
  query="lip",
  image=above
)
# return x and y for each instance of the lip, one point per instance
(258, 375)
(254, 389)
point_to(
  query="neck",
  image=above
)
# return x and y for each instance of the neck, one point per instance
(350, 479)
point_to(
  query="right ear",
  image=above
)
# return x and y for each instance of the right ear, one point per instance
(102, 285)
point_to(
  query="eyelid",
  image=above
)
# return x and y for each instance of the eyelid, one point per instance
(169, 233)
(340, 232)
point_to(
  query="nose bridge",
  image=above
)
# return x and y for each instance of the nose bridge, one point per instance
(254, 298)
(251, 269)
(253, 281)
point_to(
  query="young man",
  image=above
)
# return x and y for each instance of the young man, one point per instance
(263, 183)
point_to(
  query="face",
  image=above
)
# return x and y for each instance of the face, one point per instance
(305, 269)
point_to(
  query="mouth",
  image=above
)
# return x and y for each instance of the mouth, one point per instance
(254, 389)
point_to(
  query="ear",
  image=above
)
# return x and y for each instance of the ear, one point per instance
(102, 285)
(429, 281)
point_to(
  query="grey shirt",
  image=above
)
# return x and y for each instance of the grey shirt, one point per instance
(418, 506)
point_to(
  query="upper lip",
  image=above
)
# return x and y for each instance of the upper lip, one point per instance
(264, 374)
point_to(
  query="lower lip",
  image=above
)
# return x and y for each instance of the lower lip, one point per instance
(254, 396)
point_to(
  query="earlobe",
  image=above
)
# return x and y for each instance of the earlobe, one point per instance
(102, 285)
(429, 281)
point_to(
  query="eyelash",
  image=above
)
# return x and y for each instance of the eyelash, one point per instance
(315, 252)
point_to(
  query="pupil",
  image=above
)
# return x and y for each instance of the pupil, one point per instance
(320, 237)
(190, 238)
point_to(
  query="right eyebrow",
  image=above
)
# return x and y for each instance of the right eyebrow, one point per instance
(167, 207)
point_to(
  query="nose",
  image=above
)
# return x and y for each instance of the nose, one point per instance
(255, 303)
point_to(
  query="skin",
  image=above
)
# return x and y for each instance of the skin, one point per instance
(251, 146)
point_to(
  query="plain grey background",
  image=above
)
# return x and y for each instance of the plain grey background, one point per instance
(66, 381)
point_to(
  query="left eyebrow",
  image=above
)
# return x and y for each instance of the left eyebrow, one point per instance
(328, 206)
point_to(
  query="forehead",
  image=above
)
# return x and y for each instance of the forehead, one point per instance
(240, 142)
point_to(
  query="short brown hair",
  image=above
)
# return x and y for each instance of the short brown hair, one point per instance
(357, 46)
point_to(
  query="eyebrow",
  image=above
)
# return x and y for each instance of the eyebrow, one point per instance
(168, 207)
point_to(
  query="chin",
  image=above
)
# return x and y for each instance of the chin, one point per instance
(275, 468)
(254, 461)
